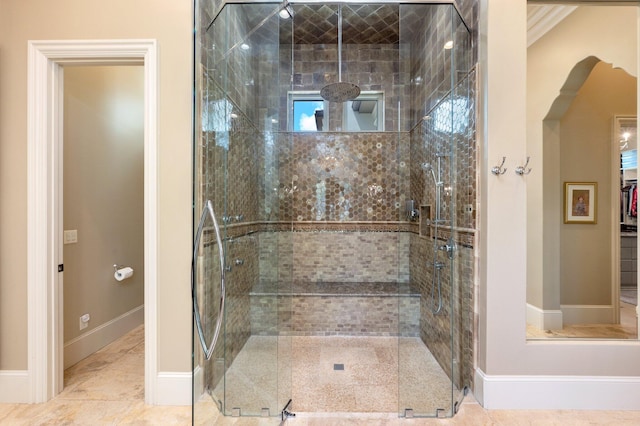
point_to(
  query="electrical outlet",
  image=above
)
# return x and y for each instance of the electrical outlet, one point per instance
(84, 321)
(71, 236)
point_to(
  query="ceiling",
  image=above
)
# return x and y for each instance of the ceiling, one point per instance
(361, 24)
(316, 23)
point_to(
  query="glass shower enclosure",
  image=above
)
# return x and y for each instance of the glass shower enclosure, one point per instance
(333, 239)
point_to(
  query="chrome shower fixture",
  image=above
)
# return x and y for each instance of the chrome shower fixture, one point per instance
(427, 167)
(341, 91)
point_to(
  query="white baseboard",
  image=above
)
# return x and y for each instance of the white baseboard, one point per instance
(173, 389)
(544, 320)
(14, 387)
(82, 346)
(587, 314)
(557, 392)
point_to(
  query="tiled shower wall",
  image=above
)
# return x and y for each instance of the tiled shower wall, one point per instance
(343, 185)
(335, 256)
(457, 285)
(342, 176)
(371, 67)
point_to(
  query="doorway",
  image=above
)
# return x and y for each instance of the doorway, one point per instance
(103, 206)
(46, 60)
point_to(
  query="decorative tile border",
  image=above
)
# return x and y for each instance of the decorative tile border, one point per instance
(463, 237)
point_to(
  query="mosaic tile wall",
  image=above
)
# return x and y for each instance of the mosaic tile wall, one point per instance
(336, 180)
(334, 256)
(433, 66)
(238, 207)
(428, 143)
(340, 176)
(318, 315)
(242, 60)
(371, 67)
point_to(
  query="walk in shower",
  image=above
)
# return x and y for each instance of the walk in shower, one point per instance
(333, 241)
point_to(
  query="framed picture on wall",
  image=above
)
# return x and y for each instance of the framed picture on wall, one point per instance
(580, 202)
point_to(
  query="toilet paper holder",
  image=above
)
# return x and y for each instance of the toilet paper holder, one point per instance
(122, 272)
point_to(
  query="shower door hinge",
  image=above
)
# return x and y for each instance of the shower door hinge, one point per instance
(286, 414)
(61, 267)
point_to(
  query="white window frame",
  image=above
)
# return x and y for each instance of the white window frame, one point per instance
(375, 95)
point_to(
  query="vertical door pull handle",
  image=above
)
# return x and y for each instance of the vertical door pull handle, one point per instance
(207, 347)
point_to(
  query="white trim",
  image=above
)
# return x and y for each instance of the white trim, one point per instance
(45, 59)
(14, 386)
(544, 319)
(557, 392)
(84, 345)
(173, 389)
(542, 19)
(588, 314)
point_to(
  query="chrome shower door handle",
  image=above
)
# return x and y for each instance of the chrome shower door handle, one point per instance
(207, 347)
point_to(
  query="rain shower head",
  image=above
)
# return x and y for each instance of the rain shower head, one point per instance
(340, 91)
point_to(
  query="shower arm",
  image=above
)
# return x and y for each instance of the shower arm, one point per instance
(339, 42)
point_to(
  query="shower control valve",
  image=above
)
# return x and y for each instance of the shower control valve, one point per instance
(450, 247)
(236, 218)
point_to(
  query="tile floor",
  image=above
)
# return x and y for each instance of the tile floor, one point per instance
(366, 381)
(627, 329)
(107, 389)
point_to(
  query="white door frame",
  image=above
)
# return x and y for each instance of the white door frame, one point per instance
(44, 160)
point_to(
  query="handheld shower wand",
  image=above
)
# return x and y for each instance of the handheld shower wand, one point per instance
(427, 167)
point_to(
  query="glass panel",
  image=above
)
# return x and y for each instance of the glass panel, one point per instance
(211, 141)
(237, 107)
(329, 276)
(463, 196)
(437, 67)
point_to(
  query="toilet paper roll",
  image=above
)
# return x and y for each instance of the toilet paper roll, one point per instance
(123, 273)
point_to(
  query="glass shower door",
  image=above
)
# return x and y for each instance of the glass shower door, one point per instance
(247, 372)
(434, 366)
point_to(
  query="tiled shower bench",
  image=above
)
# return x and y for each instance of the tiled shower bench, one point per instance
(335, 309)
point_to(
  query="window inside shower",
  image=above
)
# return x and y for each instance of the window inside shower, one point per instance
(308, 112)
(364, 113)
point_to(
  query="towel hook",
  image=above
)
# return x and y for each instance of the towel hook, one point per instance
(521, 169)
(499, 170)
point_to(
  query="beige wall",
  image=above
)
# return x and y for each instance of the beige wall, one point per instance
(608, 34)
(103, 193)
(585, 156)
(167, 21)
(503, 350)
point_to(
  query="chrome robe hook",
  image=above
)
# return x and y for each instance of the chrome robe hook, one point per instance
(522, 170)
(499, 170)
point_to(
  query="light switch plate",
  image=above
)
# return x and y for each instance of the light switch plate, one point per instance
(71, 236)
